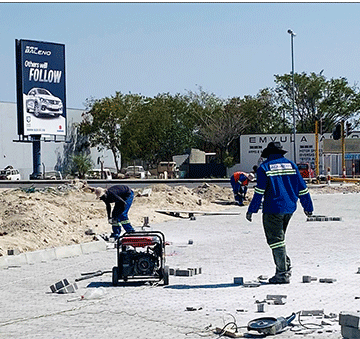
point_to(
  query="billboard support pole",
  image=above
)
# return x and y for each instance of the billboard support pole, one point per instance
(36, 157)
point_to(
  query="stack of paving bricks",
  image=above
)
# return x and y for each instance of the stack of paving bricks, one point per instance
(189, 272)
(350, 325)
(323, 218)
(63, 287)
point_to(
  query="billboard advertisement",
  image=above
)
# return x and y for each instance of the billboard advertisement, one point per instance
(41, 95)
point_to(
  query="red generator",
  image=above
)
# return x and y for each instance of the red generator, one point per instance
(141, 256)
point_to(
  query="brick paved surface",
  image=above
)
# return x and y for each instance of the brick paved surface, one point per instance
(224, 247)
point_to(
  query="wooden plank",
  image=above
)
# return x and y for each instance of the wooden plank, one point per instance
(176, 213)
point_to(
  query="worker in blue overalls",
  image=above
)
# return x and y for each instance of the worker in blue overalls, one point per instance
(123, 197)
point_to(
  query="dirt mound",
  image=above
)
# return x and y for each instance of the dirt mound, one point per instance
(32, 219)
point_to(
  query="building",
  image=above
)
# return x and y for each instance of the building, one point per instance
(19, 154)
(252, 145)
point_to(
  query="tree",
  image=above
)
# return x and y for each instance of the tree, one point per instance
(81, 164)
(262, 114)
(139, 127)
(161, 127)
(219, 122)
(104, 121)
(316, 98)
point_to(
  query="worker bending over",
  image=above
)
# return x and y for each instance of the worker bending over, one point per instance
(123, 197)
(239, 183)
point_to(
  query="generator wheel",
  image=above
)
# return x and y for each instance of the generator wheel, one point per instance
(115, 276)
(165, 275)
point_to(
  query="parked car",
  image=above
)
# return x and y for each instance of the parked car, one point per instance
(136, 172)
(10, 173)
(40, 101)
(53, 175)
(306, 171)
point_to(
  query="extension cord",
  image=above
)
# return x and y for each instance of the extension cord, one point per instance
(229, 333)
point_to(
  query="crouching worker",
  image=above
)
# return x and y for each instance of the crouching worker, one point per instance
(123, 197)
(239, 183)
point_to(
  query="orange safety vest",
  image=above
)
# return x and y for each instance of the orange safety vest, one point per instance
(237, 177)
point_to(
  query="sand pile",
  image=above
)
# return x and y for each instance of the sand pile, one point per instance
(33, 219)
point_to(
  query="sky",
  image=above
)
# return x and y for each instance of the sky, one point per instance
(229, 49)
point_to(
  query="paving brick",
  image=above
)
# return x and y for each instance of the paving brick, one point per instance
(350, 332)
(184, 273)
(327, 280)
(13, 251)
(196, 270)
(59, 285)
(276, 296)
(308, 279)
(68, 289)
(350, 319)
(314, 313)
(238, 280)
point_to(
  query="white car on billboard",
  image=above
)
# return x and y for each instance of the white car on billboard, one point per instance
(41, 102)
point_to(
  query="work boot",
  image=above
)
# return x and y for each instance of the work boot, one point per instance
(283, 269)
(239, 200)
(116, 232)
(280, 278)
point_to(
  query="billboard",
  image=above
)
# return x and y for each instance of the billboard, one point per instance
(41, 95)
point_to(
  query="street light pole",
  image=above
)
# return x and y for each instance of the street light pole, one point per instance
(292, 34)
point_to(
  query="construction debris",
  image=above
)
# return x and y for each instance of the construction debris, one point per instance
(350, 325)
(323, 218)
(308, 279)
(63, 287)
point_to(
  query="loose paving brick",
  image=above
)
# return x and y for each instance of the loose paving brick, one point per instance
(350, 319)
(350, 332)
(59, 285)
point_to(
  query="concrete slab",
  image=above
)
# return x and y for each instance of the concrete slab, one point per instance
(93, 246)
(35, 257)
(14, 260)
(68, 251)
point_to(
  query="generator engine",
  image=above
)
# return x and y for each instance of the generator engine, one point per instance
(140, 256)
(138, 263)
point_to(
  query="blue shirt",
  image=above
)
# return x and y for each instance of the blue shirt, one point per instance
(280, 184)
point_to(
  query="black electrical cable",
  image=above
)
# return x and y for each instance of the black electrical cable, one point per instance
(223, 329)
(313, 327)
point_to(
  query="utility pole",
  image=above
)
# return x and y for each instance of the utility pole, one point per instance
(317, 150)
(292, 34)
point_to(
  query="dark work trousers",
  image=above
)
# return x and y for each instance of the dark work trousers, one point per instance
(239, 190)
(120, 214)
(275, 226)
